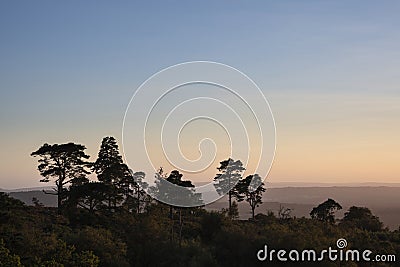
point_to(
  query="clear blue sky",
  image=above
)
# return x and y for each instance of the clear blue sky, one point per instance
(330, 70)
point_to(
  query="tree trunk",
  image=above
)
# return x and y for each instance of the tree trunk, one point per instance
(172, 223)
(180, 227)
(61, 179)
(230, 202)
(138, 201)
(59, 198)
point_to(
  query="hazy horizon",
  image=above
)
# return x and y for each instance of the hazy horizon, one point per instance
(283, 184)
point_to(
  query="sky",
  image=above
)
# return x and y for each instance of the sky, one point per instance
(329, 69)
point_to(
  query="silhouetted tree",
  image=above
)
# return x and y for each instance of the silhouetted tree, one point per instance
(284, 213)
(247, 191)
(64, 163)
(89, 195)
(185, 195)
(135, 196)
(225, 181)
(36, 202)
(170, 194)
(176, 178)
(233, 213)
(111, 170)
(362, 218)
(326, 211)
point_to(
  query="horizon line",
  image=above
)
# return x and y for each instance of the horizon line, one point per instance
(269, 185)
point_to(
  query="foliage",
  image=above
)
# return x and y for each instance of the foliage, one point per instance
(284, 213)
(225, 182)
(111, 250)
(326, 211)
(362, 218)
(112, 172)
(7, 259)
(89, 195)
(64, 163)
(172, 189)
(251, 194)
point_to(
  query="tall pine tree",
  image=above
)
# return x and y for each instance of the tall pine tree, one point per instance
(225, 182)
(112, 171)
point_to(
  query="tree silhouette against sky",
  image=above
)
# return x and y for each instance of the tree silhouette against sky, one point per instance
(225, 181)
(64, 163)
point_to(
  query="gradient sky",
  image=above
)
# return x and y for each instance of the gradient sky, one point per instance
(330, 70)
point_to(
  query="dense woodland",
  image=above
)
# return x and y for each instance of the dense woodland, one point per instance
(113, 222)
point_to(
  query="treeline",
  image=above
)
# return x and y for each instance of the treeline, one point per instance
(117, 186)
(113, 222)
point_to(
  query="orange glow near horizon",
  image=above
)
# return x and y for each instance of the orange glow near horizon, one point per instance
(343, 142)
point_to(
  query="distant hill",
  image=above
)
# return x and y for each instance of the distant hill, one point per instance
(40, 188)
(26, 197)
(383, 201)
(313, 184)
(305, 184)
